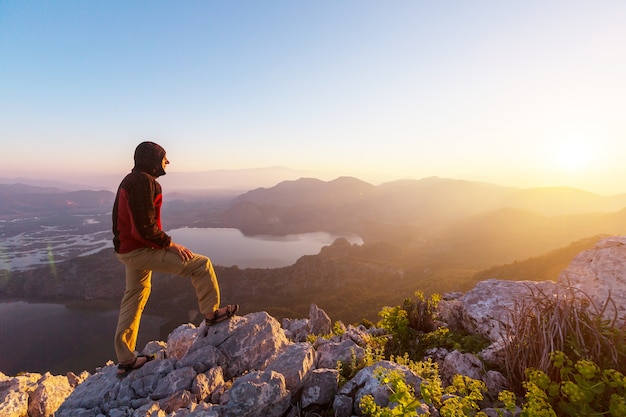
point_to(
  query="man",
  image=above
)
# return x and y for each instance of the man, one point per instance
(142, 246)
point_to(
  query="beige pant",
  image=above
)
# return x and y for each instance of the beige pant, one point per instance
(139, 266)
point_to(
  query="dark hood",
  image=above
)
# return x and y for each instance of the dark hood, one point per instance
(149, 158)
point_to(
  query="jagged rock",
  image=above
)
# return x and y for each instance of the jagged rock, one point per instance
(207, 387)
(319, 322)
(330, 354)
(14, 404)
(75, 380)
(203, 359)
(600, 272)
(460, 363)
(358, 335)
(176, 401)
(15, 392)
(487, 307)
(50, 393)
(296, 330)
(249, 342)
(450, 310)
(495, 383)
(149, 410)
(179, 380)
(294, 364)
(180, 340)
(320, 387)
(257, 394)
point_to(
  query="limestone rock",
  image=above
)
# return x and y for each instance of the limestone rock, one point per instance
(330, 354)
(180, 340)
(487, 307)
(50, 393)
(319, 322)
(600, 272)
(320, 387)
(294, 364)
(14, 404)
(249, 342)
(296, 330)
(257, 394)
(460, 363)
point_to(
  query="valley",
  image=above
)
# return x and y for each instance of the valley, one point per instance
(408, 245)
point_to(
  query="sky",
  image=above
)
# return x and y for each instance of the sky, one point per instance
(526, 94)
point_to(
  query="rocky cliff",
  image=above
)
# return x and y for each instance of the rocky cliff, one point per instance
(253, 365)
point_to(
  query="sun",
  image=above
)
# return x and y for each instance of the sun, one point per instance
(572, 156)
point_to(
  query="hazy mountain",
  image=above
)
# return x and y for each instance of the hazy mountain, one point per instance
(230, 179)
(188, 183)
(547, 266)
(428, 204)
(21, 198)
(563, 200)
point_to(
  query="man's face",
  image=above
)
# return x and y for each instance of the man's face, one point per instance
(164, 163)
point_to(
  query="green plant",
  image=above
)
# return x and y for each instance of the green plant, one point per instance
(421, 311)
(466, 393)
(463, 394)
(430, 389)
(582, 389)
(396, 322)
(445, 338)
(402, 399)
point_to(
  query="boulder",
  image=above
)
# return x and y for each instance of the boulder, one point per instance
(296, 330)
(320, 387)
(600, 272)
(460, 363)
(180, 340)
(346, 352)
(249, 343)
(486, 308)
(319, 322)
(294, 363)
(50, 393)
(257, 394)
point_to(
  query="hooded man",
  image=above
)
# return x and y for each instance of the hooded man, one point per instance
(142, 246)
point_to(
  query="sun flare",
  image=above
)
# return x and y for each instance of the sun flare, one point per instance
(572, 157)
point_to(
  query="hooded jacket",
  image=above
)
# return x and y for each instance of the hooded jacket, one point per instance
(137, 207)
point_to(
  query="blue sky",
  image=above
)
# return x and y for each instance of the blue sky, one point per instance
(516, 93)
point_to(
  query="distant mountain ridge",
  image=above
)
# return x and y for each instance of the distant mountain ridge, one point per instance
(22, 198)
(428, 203)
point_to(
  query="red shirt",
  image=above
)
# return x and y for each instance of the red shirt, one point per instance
(137, 214)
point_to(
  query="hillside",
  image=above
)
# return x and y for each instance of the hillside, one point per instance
(546, 267)
(17, 199)
(427, 205)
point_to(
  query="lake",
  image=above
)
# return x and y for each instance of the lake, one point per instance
(58, 339)
(228, 247)
(225, 246)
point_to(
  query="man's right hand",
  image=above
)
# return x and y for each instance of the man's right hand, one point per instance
(184, 253)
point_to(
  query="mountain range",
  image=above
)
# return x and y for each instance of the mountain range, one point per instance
(436, 235)
(432, 234)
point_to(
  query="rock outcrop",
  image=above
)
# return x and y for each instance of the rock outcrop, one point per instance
(601, 273)
(253, 365)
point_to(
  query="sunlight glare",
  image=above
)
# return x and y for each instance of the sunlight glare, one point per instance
(572, 156)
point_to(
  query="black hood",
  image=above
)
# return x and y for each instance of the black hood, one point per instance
(149, 158)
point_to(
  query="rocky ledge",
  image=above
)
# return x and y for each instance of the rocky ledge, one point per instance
(255, 366)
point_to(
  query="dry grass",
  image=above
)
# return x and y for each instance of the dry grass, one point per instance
(567, 321)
